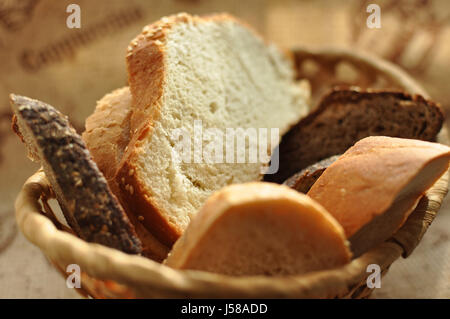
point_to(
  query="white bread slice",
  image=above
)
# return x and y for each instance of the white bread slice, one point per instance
(106, 136)
(185, 68)
(374, 186)
(260, 229)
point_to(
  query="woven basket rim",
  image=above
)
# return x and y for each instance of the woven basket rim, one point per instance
(394, 72)
(110, 264)
(146, 277)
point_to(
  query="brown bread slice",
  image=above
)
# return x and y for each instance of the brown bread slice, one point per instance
(106, 136)
(343, 117)
(89, 206)
(303, 180)
(260, 229)
(374, 186)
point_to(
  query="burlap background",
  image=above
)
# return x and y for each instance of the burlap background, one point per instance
(71, 69)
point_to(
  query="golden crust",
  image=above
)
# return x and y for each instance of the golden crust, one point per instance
(226, 210)
(364, 182)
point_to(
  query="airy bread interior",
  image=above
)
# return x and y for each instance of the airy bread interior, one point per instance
(221, 73)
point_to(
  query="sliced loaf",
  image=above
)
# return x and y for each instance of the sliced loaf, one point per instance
(213, 69)
(260, 229)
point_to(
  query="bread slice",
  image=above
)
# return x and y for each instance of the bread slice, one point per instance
(343, 117)
(212, 69)
(305, 179)
(374, 186)
(90, 208)
(260, 229)
(106, 136)
(107, 131)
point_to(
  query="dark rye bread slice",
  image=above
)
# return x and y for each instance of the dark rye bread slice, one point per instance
(89, 207)
(344, 117)
(305, 179)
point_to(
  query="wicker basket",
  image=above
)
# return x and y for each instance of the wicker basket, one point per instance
(108, 273)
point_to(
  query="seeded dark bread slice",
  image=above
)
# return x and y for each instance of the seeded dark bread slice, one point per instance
(303, 180)
(343, 117)
(106, 136)
(89, 206)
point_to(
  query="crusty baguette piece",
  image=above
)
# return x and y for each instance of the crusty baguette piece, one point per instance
(89, 206)
(260, 229)
(106, 136)
(213, 69)
(305, 179)
(374, 186)
(343, 117)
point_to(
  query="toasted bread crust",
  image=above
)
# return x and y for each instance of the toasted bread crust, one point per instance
(364, 182)
(255, 202)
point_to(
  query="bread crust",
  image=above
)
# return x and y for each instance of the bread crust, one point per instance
(305, 179)
(355, 95)
(146, 64)
(88, 204)
(135, 194)
(107, 135)
(107, 131)
(253, 200)
(366, 180)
